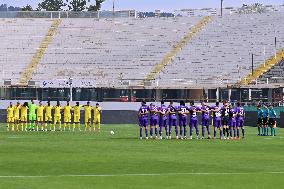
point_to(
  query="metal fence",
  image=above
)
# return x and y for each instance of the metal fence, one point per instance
(68, 14)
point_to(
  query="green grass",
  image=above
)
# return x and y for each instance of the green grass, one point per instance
(65, 159)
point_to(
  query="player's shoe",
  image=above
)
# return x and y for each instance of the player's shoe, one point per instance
(140, 138)
(161, 137)
(190, 138)
(151, 137)
(146, 138)
(181, 138)
(184, 137)
(170, 137)
(177, 137)
(197, 137)
(157, 137)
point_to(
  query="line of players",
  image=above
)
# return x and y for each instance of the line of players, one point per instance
(32, 117)
(227, 119)
(266, 119)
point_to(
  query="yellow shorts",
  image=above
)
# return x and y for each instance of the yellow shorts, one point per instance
(87, 119)
(67, 119)
(57, 119)
(40, 118)
(24, 118)
(97, 119)
(10, 119)
(17, 119)
(48, 118)
(76, 119)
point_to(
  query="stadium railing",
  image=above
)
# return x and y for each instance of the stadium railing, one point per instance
(67, 14)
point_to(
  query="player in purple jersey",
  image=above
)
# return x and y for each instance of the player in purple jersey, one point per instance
(143, 116)
(163, 110)
(240, 119)
(233, 121)
(182, 112)
(172, 119)
(217, 119)
(205, 119)
(154, 119)
(225, 119)
(193, 123)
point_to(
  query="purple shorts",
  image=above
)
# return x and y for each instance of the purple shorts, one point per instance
(233, 123)
(172, 122)
(218, 123)
(144, 122)
(163, 122)
(193, 123)
(205, 122)
(154, 121)
(182, 121)
(240, 122)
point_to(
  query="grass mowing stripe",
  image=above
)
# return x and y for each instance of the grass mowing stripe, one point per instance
(138, 174)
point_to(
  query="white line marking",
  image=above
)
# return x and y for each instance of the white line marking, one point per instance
(136, 175)
(15, 137)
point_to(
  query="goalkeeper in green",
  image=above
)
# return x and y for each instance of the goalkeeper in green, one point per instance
(32, 115)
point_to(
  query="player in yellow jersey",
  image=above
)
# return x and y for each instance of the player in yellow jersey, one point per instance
(67, 115)
(10, 117)
(77, 116)
(57, 116)
(88, 115)
(17, 119)
(24, 116)
(39, 112)
(48, 116)
(97, 117)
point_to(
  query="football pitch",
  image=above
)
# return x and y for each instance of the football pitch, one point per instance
(70, 160)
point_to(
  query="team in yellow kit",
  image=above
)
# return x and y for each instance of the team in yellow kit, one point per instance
(40, 120)
(88, 116)
(24, 116)
(10, 117)
(77, 116)
(97, 117)
(57, 116)
(67, 116)
(17, 118)
(48, 115)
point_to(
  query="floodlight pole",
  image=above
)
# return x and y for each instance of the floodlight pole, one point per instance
(275, 45)
(252, 70)
(71, 83)
(222, 8)
(113, 2)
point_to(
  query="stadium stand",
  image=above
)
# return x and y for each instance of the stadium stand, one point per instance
(20, 39)
(124, 52)
(110, 51)
(274, 75)
(28, 73)
(221, 54)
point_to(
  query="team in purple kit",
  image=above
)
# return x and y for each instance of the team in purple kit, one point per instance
(182, 112)
(205, 120)
(226, 119)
